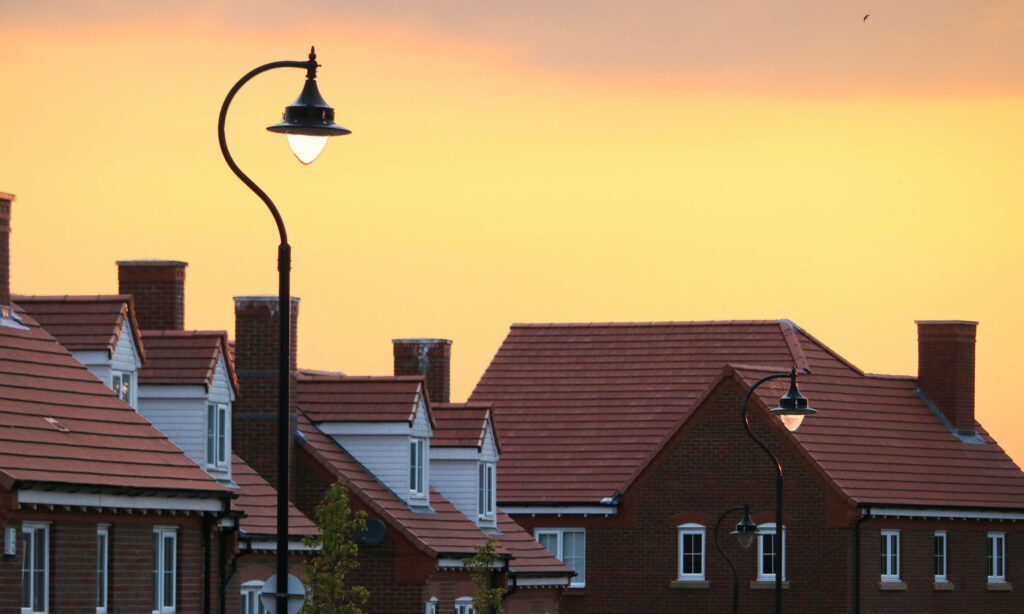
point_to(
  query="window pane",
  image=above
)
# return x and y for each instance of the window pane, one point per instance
(549, 541)
(481, 488)
(222, 418)
(101, 570)
(211, 438)
(26, 570)
(412, 466)
(156, 571)
(168, 588)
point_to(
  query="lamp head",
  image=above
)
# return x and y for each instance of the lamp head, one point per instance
(309, 120)
(746, 530)
(793, 405)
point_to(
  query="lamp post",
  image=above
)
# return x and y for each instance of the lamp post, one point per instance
(792, 409)
(307, 122)
(745, 532)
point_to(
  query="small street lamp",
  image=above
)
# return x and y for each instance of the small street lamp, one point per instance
(745, 532)
(792, 409)
(307, 122)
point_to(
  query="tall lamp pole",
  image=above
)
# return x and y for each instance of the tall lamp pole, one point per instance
(307, 122)
(792, 409)
(745, 532)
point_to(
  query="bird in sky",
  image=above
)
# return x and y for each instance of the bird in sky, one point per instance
(866, 17)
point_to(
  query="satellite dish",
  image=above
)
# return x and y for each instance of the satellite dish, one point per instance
(296, 595)
(373, 534)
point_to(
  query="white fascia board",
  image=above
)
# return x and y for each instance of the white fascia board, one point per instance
(450, 563)
(454, 454)
(271, 545)
(540, 581)
(906, 512)
(561, 510)
(93, 358)
(77, 499)
(365, 428)
(178, 391)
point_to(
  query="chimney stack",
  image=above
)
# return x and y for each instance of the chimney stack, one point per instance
(5, 253)
(945, 368)
(430, 358)
(159, 290)
(254, 413)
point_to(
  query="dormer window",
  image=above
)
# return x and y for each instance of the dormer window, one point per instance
(216, 435)
(417, 467)
(123, 385)
(486, 491)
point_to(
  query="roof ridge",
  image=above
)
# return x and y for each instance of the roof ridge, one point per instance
(638, 324)
(70, 298)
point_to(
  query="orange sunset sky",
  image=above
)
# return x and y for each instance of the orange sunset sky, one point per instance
(539, 161)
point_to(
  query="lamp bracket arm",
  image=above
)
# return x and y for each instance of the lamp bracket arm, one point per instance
(310, 66)
(746, 419)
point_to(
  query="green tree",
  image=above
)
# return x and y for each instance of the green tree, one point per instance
(334, 557)
(486, 599)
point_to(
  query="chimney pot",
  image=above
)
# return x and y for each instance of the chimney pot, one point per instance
(945, 368)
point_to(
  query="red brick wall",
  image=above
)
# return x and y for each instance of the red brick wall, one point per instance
(428, 357)
(130, 563)
(533, 601)
(159, 290)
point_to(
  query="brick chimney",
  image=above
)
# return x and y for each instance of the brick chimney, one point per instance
(431, 358)
(254, 413)
(159, 290)
(5, 252)
(945, 368)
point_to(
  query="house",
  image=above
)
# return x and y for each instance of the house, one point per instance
(100, 510)
(624, 442)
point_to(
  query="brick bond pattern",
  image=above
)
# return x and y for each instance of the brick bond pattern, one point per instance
(159, 290)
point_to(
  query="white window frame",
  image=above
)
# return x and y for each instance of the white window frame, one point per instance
(767, 530)
(102, 568)
(889, 549)
(29, 531)
(941, 561)
(996, 557)
(580, 567)
(418, 467)
(486, 497)
(251, 602)
(123, 385)
(160, 537)
(431, 607)
(691, 529)
(217, 429)
(464, 605)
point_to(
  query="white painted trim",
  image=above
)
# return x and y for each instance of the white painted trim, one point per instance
(365, 428)
(898, 512)
(271, 544)
(541, 581)
(561, 510)
(75, 499)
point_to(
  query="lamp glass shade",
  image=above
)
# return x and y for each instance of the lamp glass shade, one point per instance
(746, 530)
(305, 147)
(793, 406)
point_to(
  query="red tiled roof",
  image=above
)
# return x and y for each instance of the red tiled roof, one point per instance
(878, 442)
(59, 424)
(84, 322)
(581, 406)
(444, 531)
(460, 425)
(530, 558)
(327, 398)
(258, 499)
(185, 357)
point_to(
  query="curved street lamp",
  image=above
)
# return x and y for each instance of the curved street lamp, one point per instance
(745, 532)
(792, 409)
(307, 122)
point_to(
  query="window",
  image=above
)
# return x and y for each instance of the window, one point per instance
(570, 547)
(251, 603)
(890, 550)
(485, 491)
(431, 606)
(767, 553)
(102, 556)
(940, 557)
(121, 382)
(464, 605)
(165, 567)
(35, 567)
(691, 552)
(417, 469)
(217, 435)
(997, 557)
